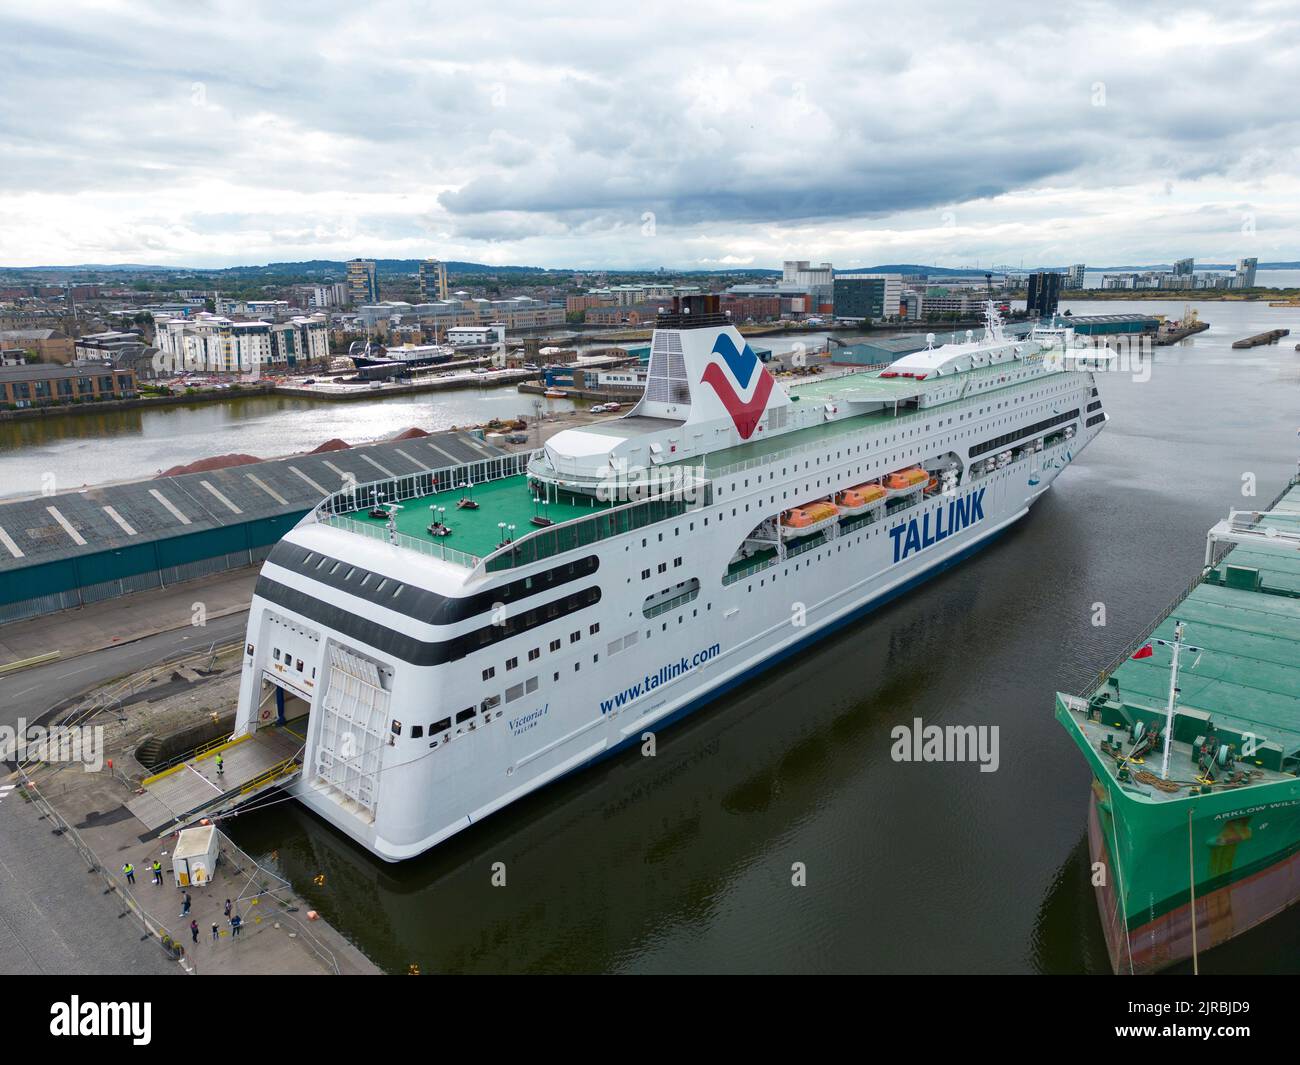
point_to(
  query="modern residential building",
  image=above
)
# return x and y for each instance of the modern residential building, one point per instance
(860, 297)
(1044, 296)
(363, 281)
(1074, 277)
(1245, 275)
(517, 312)
(209, 343)
(300, 340)
(433, 280)
(270, 310)
(37, 385)
(321, 296)
(1185, 267)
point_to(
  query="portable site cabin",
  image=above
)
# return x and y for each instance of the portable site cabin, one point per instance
(194, 861)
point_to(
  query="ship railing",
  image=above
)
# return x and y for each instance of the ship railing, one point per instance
(603, 525)
(424, 482)
(433, 549)
(887, 421)
(671, 604)
(336, 508)
(749, 570)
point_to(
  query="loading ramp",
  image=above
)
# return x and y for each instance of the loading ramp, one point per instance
(191, 790)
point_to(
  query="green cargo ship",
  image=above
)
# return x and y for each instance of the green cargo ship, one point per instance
(1193, 740)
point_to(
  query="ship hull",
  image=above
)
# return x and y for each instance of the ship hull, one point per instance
(667, 614)
(1244, 875)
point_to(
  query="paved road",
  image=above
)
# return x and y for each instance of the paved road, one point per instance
(33, 691)
(54, 915)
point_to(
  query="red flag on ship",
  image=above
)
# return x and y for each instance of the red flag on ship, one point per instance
(1143, 652)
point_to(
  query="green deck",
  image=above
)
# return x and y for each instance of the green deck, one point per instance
(860, 387)
(1248, 673)
(476, 531)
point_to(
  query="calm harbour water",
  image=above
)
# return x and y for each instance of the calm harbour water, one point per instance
(683, 862)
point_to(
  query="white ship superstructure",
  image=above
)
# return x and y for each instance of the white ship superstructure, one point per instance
(446, 642)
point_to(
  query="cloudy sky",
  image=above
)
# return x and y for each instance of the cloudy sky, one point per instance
(693, 135)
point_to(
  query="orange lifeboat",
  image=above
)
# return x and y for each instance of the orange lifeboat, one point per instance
(808, 519)
(859, 498)
(908, 478)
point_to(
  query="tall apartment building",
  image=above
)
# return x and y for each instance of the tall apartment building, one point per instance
(1074, 277)
(1044, 295)
(363, 281)
(1184, 267)
(1245, 275)
(433, 280)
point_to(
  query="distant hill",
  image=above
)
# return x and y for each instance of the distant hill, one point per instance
(389, 267)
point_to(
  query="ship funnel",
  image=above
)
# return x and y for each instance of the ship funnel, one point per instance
(703, 370)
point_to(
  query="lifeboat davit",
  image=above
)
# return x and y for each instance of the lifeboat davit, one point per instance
(908, 478)
(859, 498)
(808, 519)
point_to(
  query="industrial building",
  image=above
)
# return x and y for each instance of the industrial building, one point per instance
(72, 548)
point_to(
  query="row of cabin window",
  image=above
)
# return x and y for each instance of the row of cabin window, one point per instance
(663, 567)
(535, 653)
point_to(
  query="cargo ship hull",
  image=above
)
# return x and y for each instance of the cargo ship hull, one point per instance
(1242, 886)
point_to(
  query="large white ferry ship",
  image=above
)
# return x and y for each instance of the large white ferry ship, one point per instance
(446, 642)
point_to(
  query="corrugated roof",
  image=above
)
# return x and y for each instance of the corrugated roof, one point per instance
(82, 522)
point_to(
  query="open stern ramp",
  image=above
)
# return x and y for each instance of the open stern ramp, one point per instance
(191, 790)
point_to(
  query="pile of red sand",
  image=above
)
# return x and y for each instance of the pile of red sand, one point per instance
(216, 462)
(330, 445)
(413, 433)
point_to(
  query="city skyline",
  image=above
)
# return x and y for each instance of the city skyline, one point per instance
(149, 135)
